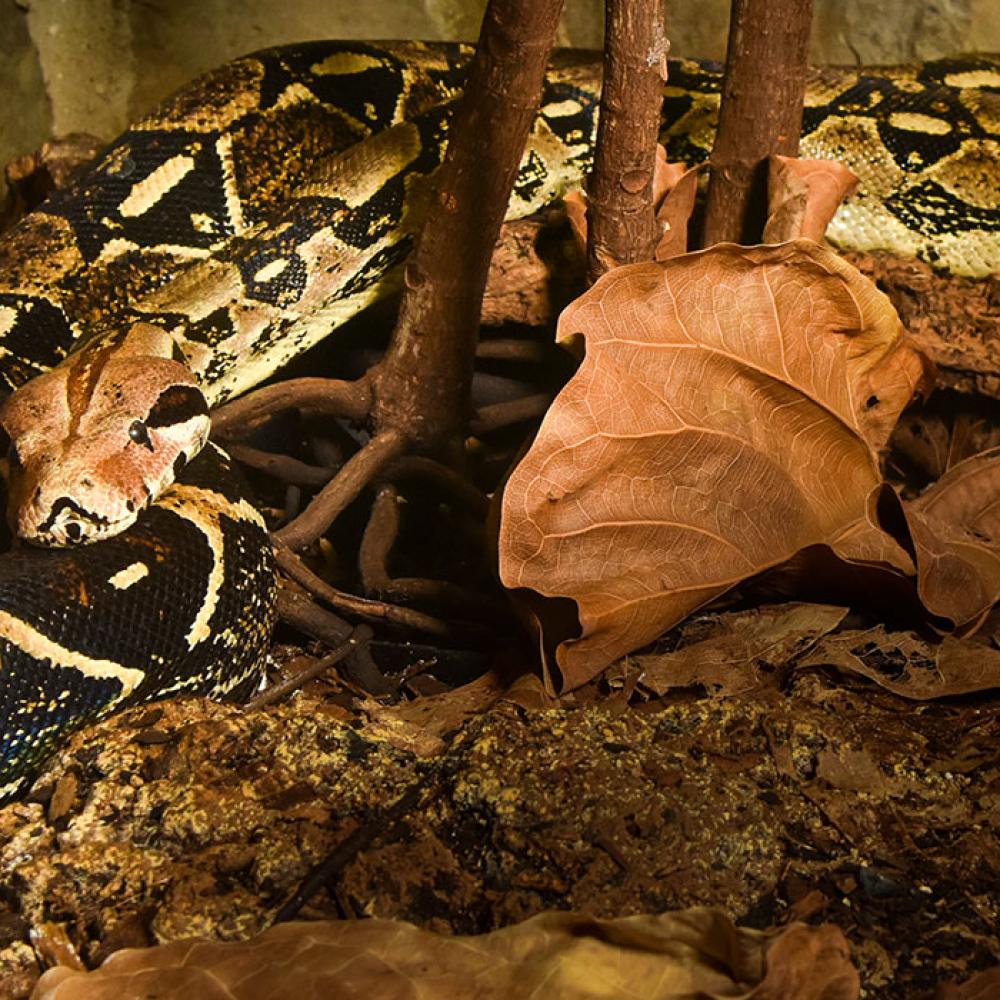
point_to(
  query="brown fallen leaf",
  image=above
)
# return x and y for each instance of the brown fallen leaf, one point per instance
(955, 527)
(575, 204)
(948, 428)
(854, 771)
(984, 985)
(909, 666)
(727, 663)
(728, 413)
(561, 955)
(810, 963)
(674, 196)
(803, 196)
(419, 725)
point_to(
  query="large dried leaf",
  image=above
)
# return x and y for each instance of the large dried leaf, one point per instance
(803, 196)
(565, 955)
(728, 413)
(983, 986)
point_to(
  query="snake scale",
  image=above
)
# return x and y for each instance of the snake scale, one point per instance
(238, 224)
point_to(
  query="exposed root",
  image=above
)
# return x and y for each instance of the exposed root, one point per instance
(354, 475)
(378, 540)
(307, 616)
(514, 411)
(311, 396)
(512, 349)
(442, 593)
(376, 611)
(443, 477)
(283, 467)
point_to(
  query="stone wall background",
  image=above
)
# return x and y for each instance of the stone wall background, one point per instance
(94, 65)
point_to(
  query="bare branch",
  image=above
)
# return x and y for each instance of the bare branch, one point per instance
(761, 112)
(621, 221)
(423, 384)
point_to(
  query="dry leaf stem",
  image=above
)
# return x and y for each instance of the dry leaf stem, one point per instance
(761, 112)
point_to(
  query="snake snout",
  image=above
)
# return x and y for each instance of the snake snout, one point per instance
(67, 521)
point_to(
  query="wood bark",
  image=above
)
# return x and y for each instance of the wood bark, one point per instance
(422, 385)
(621, 220)
(761, 112)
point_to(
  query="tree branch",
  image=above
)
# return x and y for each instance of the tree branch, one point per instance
(761, 112)
(621, 221)
(423, 383)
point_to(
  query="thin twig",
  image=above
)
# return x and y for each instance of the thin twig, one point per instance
(354, 475)
(378, 825)
(279, 691)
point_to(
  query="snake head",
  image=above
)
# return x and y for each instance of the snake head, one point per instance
(99, 437)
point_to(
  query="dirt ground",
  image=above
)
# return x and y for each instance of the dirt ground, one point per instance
(808, 795)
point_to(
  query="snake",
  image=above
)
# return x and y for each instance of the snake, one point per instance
(239, 223)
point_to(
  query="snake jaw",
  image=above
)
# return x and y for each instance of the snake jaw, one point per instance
(69, 524)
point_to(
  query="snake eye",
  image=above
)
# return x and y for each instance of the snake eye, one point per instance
(139, 434)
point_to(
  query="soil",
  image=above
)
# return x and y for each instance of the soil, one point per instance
(819, 797)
